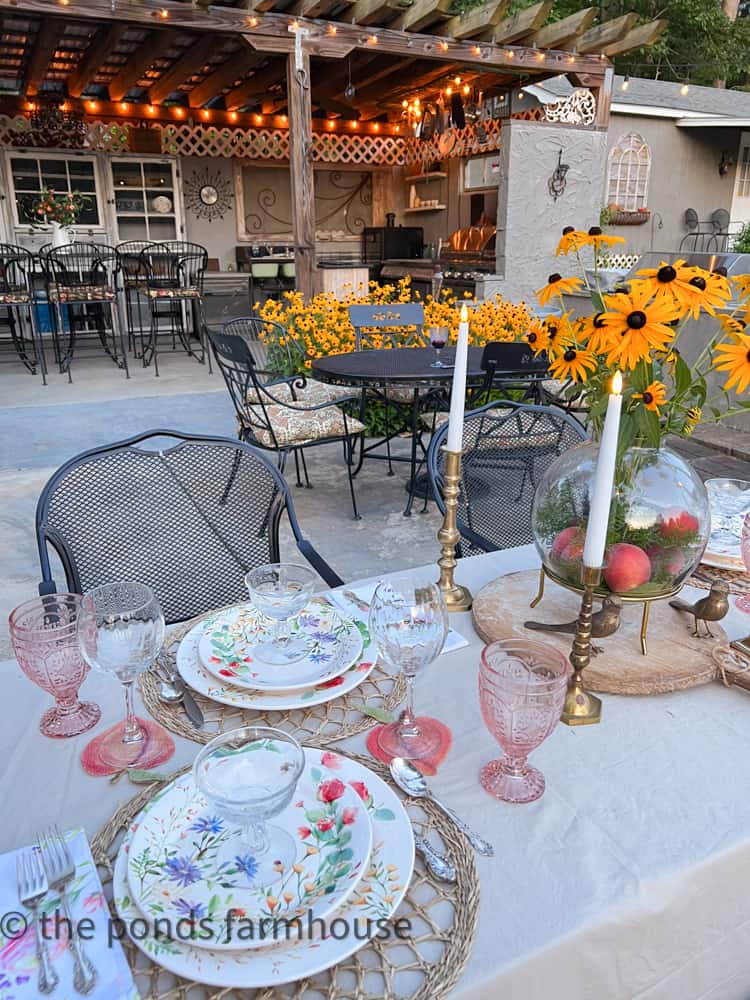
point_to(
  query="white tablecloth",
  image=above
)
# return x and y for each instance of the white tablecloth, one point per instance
(628, 878)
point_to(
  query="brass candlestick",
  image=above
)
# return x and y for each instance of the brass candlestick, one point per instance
(457, 598)
(582, 708)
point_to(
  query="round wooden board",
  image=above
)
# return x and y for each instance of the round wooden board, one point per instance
(676, 659)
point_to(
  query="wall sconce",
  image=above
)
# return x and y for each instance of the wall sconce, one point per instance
(725, 163)
(556, 183)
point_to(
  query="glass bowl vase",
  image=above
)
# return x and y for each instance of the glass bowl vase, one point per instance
(658, 525)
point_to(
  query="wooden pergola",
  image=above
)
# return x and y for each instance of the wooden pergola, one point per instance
(288, 64)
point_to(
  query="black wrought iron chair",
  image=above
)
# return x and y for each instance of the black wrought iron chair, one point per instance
(82, 294)
(129, 274)
(171, 279)
(510, 367)
(284, 416)
(507, 447)
(17, 301)
(187, 515)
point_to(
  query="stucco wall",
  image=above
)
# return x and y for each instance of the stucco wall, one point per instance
(684, 174)
(219, 237)
(530, 220)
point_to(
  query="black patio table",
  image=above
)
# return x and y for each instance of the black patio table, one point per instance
(404, 368)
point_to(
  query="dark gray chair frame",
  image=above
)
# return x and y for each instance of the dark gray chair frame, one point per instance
(17, 267)
(128, 457)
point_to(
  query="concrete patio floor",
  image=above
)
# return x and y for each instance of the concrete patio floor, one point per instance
(41, 427)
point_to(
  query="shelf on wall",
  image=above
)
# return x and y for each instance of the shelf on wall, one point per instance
(433, 175)
(425, 208)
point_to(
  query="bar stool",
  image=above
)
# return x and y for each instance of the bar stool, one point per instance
(128, 263)
(17, 296)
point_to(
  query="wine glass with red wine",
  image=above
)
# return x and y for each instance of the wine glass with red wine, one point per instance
(438, 340)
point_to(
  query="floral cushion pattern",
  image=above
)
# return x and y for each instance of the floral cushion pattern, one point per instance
(174, 293)
(82, 293)
(296, 427)
(313, 393)
(14, 298)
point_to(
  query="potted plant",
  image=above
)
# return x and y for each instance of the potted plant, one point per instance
(58, 210)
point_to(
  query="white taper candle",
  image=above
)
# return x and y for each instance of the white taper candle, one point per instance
(458, 389)
(601, 499)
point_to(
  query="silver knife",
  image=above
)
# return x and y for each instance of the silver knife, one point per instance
(191, 706)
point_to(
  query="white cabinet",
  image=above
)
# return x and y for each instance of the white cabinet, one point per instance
(146, 199)
(482, 172)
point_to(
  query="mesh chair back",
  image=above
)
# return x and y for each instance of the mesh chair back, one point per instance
(274, 350)
(395, 324)
(16, 268)
(188, 518)
(129, 259)
(507, 448)
(235, 361)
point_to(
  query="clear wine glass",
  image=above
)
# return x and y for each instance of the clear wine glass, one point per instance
(248, 776)
(120, 631)
(43, 633)
(522, 687)
(438, 340)
(280, 591)
(409, 625)
(743, 603)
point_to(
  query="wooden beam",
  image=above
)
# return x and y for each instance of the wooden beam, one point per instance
(475, 21)
(560, 33)
(423, 14)
(302, 173)
(597, 38)
(510, 29)
(193, 59)
(237, 66)
(136, 64)
(101, 46)
(315, 8)
(406, 84)
(637, 38)
(258, 84)
(45, 46)
(367, 12)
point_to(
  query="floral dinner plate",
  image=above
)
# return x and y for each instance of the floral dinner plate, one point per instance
(199, 679)
(227, 648)
(190, 873)
(371, 907)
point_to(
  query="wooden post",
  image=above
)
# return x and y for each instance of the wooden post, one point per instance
(301, 169)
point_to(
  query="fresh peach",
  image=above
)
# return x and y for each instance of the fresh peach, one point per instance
(568, 545)
(626, 567)
(679, 526)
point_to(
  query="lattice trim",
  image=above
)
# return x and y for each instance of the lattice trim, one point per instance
(483, 137)
(105, 137)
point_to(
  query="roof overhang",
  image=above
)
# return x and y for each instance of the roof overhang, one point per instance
(714, 122)
(652, 111)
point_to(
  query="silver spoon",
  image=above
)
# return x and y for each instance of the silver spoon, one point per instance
(437, 863)
(413, 782)
(169, 693)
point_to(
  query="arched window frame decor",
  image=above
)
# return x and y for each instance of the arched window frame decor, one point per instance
(628, 173)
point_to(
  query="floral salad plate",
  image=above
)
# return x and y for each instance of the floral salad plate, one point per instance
(192, 876)
(365, 915)
(332, 644)
(221, 690)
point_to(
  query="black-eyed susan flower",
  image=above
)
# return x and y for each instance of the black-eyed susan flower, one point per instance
(742, 282)
(671, 281)
(709, 291)
(574, 363)
(638, 325)
(537, 337)
(597, 335)
(557, 285)
(692, 419)
(597, 239)
(735, 359)
(570, 241)
(653, 396)
(731, 326)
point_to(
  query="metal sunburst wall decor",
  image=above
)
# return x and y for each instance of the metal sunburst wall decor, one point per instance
(208, 194)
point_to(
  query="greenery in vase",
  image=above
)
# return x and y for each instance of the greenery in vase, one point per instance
(63, 208)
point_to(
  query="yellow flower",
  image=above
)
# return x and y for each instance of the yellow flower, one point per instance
(573, 363)
(571, 240)
(710, 292)
(735, 359)
(557, 285)
(653, 396)
(597, 239)
(595, 334)
(692, 419)
(731, 326)
(670, 281)
(637, 326)
(742, 281)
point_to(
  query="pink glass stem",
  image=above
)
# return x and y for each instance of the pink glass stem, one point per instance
(132, 732)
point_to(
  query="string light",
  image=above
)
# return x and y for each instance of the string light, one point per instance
(685, 89)
(295, 25)
(180, 112)
(233, 116)
(30, 106)
(448, 91)
(258, 119)
(284, 119)
(151, 109)
(354, 124)
(540, 56)
(92, 105)
(375, 127)
(397, 128)
(206, 114)
(64, 106)
(510, 54)
(444, 46)
(467, 90)
(373, 39)
(253, 22)
(477, 51)
(457, 80)
(330, 123)
(331, 29)
(625, 83)
(164, 13)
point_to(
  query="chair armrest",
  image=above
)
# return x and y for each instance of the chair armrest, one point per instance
(318, 563)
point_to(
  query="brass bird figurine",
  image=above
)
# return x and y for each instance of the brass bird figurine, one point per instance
(711, 608)
(604, 622)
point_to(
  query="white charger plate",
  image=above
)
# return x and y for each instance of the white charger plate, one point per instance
(199, 679)
(186, 863)
(376, 898)
(227, 649)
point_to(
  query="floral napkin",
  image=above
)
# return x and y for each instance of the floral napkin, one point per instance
(18, 965)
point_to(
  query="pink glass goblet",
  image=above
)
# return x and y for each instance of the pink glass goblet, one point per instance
(44, 635)
(743, 603)
(522, 688)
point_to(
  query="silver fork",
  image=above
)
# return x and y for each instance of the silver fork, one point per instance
(32, 888)
(61, 870)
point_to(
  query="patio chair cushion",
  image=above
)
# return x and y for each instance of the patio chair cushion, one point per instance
(14, 298)
(297, 427)
(313, 393)
(174, 293)
(81, 293)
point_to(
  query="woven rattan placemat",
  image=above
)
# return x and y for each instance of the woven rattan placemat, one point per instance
(704, 576)
(316, 725)
(424, 967)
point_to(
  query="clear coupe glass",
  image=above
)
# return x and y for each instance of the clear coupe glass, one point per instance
(248, 776)
(280, 591)
(409, 625)
(522, 688)
(44, 635)
(120, 631)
